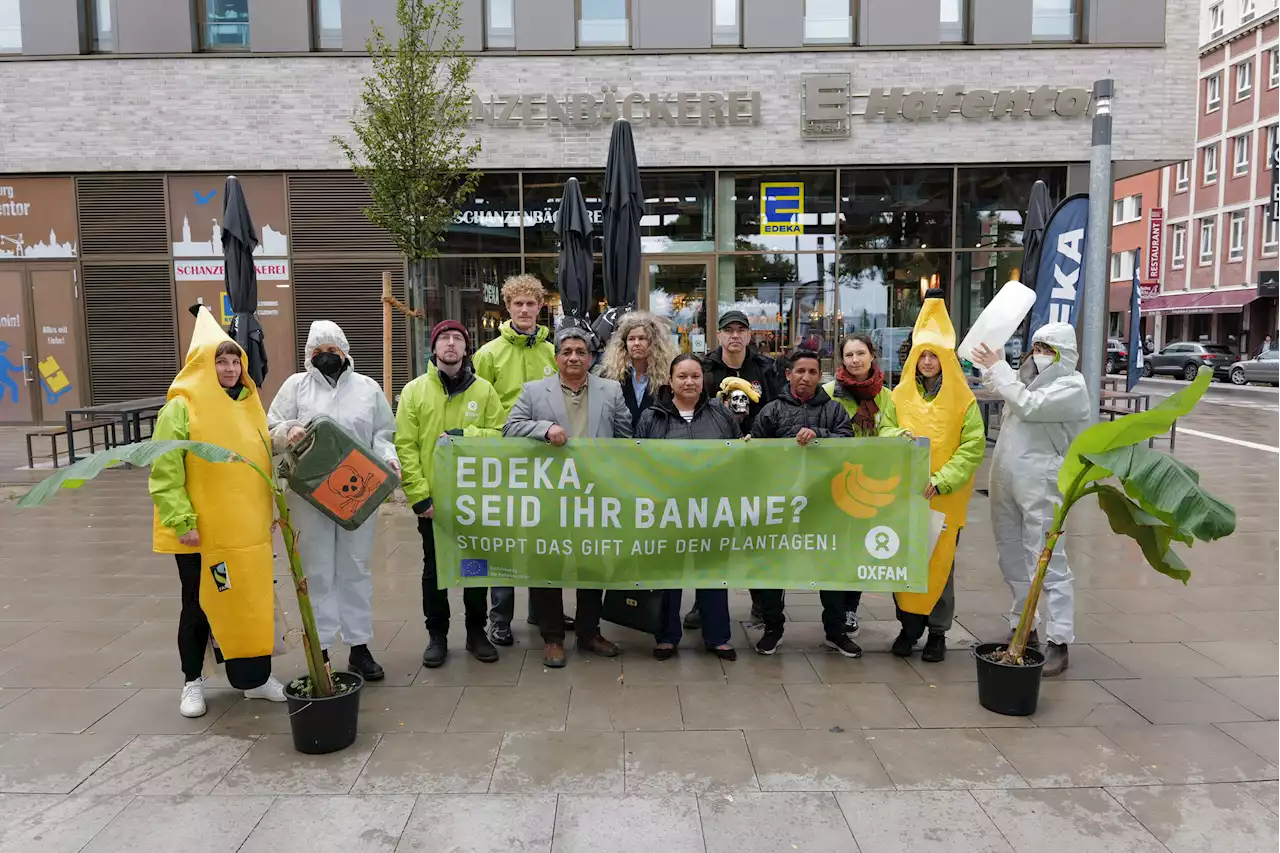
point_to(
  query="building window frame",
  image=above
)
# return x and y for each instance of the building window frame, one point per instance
(1213, 93)
(1178, 246)
(1127, 209)
(956, 32)
(1123, 264)
(1182, 177)
(1208, 233)
(1244, 79)
(1248, 8)
(1209, 158)
(202, 27)
(850, 38)
(1069, 35)
(1240, 161)
(722, 34)
(499, 38)
(94, 12)
(601, 45)
(13, 28)
(1272, 130)
(1273, 68)
(1270, 233)
(1236, 230)
(321, 39)
(1217, 19)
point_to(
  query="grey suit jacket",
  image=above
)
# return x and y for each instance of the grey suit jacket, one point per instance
(541, 404)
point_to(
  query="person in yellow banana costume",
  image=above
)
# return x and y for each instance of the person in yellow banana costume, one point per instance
(215, 518)
(933, 401)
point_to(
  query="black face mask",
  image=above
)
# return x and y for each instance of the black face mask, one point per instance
(329, 364)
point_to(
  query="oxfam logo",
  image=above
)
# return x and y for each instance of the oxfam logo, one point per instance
(547, 370)
(472, 406)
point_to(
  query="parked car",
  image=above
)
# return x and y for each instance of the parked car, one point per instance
(1185, 359)
(1117, 356)
(1264, 368)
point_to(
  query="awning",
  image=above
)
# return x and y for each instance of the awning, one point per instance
(1200, 302)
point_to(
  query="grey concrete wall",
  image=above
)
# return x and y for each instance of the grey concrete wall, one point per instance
(773, 23)
(546, 25)
(52, 27)
(156, 26)
(1001, 22)
(358, 17)
(672, 24)
(279, 26)
(1125, 21)
(472, 29)
(888, 22)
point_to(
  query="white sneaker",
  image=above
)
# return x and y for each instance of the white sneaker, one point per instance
(272, 691)
(193, 699)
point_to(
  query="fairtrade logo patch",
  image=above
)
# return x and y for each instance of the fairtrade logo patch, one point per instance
(221, 577)
(475, 568)
(860, 496)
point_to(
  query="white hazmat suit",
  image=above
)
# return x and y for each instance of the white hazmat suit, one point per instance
(336, 560)
(1044, 411)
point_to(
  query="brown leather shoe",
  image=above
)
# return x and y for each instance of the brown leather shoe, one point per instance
(600, 646)
(553, 655)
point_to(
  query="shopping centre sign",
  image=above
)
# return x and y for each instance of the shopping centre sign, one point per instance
(588, 109)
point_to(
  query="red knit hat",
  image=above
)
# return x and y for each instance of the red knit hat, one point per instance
(449, 326)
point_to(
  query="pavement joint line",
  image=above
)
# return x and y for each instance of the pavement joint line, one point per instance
(1249, 444)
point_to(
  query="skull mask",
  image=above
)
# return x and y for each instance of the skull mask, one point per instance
(739, 402)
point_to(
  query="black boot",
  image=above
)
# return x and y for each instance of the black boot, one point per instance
(1055, 660)
(436, 651)
(903, 645)
(693, 619)
(480, 647)
(361, 661)
(935, 648)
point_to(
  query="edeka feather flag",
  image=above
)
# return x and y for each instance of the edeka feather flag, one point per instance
(619, 514)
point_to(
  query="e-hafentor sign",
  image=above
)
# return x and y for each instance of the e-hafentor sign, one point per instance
(585, 109)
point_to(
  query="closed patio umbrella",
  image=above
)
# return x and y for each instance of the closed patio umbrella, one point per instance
(239, 239)
(1039, 209)
(623, 205)
(573, 270)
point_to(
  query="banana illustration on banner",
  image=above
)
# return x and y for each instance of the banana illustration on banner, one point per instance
(861, 496)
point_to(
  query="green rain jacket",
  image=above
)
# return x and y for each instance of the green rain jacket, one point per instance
(514, 358)
(964, 463)
(469, 407)
(884, 401)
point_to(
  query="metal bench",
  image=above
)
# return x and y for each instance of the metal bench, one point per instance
(53, 432)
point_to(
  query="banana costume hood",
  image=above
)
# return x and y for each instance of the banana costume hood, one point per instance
(941, 420)
(233, 504)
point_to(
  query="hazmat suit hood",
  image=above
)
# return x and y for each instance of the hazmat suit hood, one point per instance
(1062, 337)
(324, 332)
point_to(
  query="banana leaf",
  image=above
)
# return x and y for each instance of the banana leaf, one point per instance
(1169, 490)
(142, 454)
(1126, 431)
(1153, 536)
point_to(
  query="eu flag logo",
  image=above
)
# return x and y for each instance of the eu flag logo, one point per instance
(475, 568)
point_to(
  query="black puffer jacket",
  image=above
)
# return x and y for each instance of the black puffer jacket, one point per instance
(786, 416)
(663, 420)
(757, 368)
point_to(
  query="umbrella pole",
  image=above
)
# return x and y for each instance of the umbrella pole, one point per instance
(386, 335)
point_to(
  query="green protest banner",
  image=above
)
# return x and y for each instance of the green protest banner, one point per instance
(622, 514)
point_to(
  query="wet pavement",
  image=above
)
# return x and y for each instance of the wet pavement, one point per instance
(1162, 736)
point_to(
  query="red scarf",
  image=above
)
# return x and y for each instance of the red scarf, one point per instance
(864, 391)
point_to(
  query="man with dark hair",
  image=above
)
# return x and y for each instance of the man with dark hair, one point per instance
(804, 411)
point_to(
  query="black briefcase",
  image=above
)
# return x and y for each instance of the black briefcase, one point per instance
(637, 609)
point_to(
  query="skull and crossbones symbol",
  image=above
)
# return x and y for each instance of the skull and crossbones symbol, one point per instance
(349, 485)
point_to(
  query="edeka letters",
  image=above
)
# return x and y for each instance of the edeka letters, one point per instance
(619, 514)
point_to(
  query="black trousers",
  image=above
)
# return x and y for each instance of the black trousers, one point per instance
(435, 601)
(548, 607)
(834, 606)
(193, 634)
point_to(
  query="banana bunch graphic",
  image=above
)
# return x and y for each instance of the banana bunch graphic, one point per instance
(737, 383)
(860, 496)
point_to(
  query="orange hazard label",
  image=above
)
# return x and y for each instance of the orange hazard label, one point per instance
(350, 485)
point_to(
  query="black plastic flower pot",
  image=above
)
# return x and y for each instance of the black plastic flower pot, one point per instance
(327, 724)
(1008, 689)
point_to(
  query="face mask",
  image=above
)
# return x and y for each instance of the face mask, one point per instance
(329, 364)
(1042, 361)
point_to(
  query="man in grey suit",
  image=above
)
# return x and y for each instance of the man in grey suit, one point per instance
(573, 404)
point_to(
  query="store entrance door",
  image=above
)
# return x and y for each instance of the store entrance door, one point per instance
(40, 364)
(682, 291)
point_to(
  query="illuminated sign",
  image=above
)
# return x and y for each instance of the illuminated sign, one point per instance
(781, 208)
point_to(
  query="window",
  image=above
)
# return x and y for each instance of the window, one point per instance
(1270, 232)
(895, 209)
(993, 202)
(1182, 177)
(1217, 20)
(726, 26)
(1054, 20)
(1271, 146)
(1244, 79)
(1207, 229)
(1210, 163)
(1236, 250)
(1178, 239)
(1122, 264)
(1240, 162)
(1273, 65)
(953, 22)
(224, 24)
(828, 22)
(604, 23)
(1212, 93)
(500, 24)
(327, 18)
(1127, 209)
(102, 26)
(1248, 8)
(10, 27)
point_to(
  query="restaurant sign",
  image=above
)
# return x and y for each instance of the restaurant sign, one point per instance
(589, 109)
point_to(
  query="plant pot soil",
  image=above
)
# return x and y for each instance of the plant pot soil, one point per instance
(1008, 689)
(326, 724)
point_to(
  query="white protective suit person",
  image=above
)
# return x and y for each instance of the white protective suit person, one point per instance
(1046, 407)
(336, 560)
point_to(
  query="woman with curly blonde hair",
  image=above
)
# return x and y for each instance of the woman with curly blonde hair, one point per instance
(638, 357)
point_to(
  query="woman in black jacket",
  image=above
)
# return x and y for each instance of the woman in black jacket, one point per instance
(683, 410)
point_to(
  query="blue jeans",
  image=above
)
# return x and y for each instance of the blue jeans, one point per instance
(714, 604)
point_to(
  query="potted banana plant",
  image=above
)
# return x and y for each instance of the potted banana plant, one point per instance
(1159, 501)
(323, 707)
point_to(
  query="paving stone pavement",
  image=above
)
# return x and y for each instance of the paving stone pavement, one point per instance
(1161, 737)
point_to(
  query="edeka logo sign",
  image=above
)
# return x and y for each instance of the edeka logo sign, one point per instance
(587, 109)
(606, 514)
(782, 208)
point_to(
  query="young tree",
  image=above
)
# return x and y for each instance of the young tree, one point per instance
(412, 145)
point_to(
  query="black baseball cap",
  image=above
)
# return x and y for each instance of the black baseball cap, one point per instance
(730, 317)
